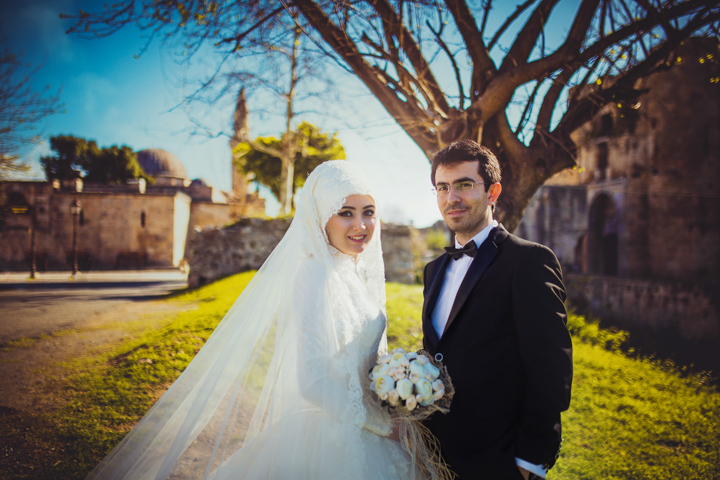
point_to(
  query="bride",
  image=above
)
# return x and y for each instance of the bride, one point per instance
(279, 391)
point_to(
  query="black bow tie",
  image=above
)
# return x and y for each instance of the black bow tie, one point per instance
(456, 253)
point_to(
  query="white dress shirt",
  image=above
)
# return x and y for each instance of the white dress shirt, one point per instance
(454, 275)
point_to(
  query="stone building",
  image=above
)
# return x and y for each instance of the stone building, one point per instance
(119, 226)
(636, 225)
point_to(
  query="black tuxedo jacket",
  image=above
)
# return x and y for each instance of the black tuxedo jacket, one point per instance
(509, 356)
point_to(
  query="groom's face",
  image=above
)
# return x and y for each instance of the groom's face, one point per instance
(466, 212)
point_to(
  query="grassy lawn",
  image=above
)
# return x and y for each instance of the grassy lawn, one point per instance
(629, 419)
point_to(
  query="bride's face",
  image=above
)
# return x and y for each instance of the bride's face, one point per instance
(352, 227)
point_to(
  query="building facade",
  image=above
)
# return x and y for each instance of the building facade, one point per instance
(636, 225)
(135, 225)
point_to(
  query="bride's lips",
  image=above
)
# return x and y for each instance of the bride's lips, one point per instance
(357, 238)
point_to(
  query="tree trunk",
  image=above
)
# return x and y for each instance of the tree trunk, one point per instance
(287, 173)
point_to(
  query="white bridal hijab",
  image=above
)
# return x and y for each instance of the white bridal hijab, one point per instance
(278, 378)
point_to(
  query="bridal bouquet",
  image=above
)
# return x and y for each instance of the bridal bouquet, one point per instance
(412, 383)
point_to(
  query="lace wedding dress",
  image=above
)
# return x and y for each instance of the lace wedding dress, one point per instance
(280, 390)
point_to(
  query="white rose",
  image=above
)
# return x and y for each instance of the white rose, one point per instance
(379, 371)
(432, 372)
(397, 359)
(404, 388)
(394, 398)
(438, 394)
(399, 350)
(385, 358)
(414, 377)
(383, 396)
(383, 385)
(411, 403)
(424, 391)
(437, 385)
(404, 362)
(422, 359)
(415, 367)
(411, 355)
(399, 374)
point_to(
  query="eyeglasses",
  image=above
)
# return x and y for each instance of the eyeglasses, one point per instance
(444, 188)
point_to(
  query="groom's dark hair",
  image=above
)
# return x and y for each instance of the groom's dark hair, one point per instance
(469, 151)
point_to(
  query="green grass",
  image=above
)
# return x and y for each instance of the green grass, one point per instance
(630, 419)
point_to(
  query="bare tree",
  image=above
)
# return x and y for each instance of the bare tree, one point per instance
(402, 49)
(21, 110)
(289, 145)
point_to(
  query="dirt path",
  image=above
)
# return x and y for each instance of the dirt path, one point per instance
(32, 378)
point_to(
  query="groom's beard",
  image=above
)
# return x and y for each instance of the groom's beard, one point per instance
(469, 223)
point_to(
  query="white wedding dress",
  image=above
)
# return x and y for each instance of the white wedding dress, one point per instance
(280, 390)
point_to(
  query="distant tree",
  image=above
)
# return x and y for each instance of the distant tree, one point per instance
(79, 158)
(285, 67)
(262, 158)
(21, 110)
(447, 70)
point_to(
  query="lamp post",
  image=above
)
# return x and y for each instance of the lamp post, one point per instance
(33, 252)
(75, 209)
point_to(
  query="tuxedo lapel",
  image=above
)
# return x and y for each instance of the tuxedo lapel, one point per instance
(435, 283)
(483, 258)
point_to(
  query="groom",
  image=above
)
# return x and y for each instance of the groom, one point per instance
(494, 313)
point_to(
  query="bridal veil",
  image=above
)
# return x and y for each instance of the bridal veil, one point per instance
(282, 375)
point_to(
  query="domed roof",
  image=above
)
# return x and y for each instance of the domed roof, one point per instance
(200, 182)
(161, 163)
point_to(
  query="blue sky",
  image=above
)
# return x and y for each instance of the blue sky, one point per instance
(115, 98)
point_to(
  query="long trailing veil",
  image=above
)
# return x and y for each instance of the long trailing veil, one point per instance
(290, 348)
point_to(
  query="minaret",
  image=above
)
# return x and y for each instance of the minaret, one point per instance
(244, 203)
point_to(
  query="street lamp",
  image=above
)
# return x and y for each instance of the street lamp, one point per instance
(33, 250)
(75, 210)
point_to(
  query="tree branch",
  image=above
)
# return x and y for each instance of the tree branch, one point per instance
(406, 114)
(527, 37)
(451, 57)
(509, 21)
(395, 27)
(483, 65)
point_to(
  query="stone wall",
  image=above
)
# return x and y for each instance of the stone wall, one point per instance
(215, 253)
(649, 305)
(398, 255)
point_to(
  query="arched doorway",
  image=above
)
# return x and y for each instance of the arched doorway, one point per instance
(602, 239)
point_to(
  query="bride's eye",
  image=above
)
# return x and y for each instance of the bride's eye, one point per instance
(369, 213)
(345, 213)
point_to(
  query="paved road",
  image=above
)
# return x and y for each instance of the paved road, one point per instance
(54, 302)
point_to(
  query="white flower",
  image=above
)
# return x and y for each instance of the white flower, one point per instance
(438, 394)
(437, 385)
(432, 372)
(385, 358)
(415, 367)
(383, 396)
(404, 388)
(414, 377)
(399, 350)
(383, 385)
(394, 398)
(411, 403)
(411, 355)
(424, 391)
(397, 359)
(379, 371)
(404, 362)
(422, 359)
(399, 374)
